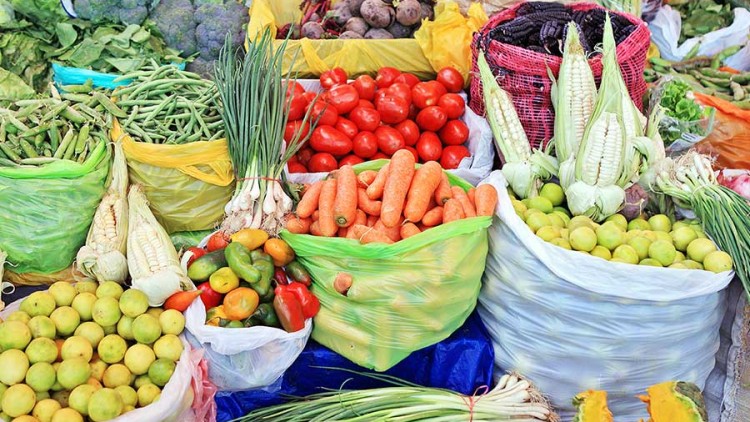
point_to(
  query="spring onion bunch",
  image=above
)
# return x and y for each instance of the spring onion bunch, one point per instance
(513, 399)
(725, 215)
(255, 112)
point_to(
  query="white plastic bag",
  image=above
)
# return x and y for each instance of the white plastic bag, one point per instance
(665, 33)
(572, 322)
(473, 169)
(176, 401)
(244, 358)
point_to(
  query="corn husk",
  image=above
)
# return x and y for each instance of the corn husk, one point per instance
(3, 257)
(152, 259)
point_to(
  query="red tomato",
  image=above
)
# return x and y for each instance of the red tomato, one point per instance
(196, 253)
(322, 162)
(295, 88)
(453, 105)
(347, 127)
(400, 90)
(410, 131)
(344, 98)
(309, 96)
(328, 139)
(425, 94)
(429, 147)
(393, 109)
(328, 114)
(413, 152)
(431, 118)
(296, 127)
(386, 76)
(451, 79)
(304, 155)
(365, 144)
(296, 167)
(455, 132)
(365, 104)
(407, 78)
(382, 93)
(218, 240)
(365, 118)
(351, 160)
(452, 156)
(333, 77)
(297, 107)
(380, 156)
(389, 139)
(210, 297)
(413, 111)
(365, 87)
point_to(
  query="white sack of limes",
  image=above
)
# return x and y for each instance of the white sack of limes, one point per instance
(571, 322)
(93, 352)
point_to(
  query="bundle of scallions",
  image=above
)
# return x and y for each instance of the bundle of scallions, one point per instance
(725, 215)
(252, 90)
(513, 399)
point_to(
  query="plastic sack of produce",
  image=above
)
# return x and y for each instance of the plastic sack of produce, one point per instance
(729, 142)
(523, 72)
(403, 296)
(244, 358)
(667, 25)
(46, 214)
(571, 322)
(187, 185)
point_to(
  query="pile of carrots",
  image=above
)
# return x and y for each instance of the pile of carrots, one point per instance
(385, 206)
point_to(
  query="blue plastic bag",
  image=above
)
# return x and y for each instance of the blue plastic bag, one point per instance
(462, 363)
(64, 75)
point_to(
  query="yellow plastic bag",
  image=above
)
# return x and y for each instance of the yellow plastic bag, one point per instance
(447, 40)
(187, 185)
(356, 57)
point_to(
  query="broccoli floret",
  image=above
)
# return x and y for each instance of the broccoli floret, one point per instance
(117, 11)
(205, 68)
(215, 22)
(176, 23)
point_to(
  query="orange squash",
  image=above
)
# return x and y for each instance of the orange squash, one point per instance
(674, 401)
(592, 407)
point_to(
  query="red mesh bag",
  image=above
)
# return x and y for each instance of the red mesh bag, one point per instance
(523, 73)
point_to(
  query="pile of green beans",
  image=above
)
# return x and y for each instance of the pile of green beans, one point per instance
(41, 131)
(165, 105)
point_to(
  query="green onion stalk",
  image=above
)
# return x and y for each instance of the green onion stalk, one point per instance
(513, 399)
(724, 214)
(255, 111)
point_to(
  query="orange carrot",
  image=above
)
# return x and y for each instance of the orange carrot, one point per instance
(422, 227)
(443, 192)
(485, 200)
(409, 230)
(345, 204)
(375, 190)
(366, 204)
(326, 220)
(342, 283)
(471, 196)
(367, 235)
(426, 180)
(316, 215)
(315, 229)
(361, 218)
(432, 203)
(298, 225)
(433, 217)
(371, 220)
(309, 202)
(453, 211)
(400, 174)
(463, 199)
(394, 233)
(366, 178)
(342, 232)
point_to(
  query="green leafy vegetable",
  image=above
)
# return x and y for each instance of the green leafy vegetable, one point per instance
(685, 113)
(12, 87)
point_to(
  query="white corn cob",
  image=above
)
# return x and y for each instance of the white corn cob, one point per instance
(152, 259)
(573, 95)
(103, 256)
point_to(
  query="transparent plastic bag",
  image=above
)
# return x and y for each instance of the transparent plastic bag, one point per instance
(729, 142)
(572, 322)
(187, 185)
(404, 296)
(45, 212)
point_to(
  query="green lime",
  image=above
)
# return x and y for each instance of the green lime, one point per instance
(699, 248)
(553, 192)
(717, 262)
(638, 224)
(583, 239)
(540, 203)
(662, 251)
(626, 253)
(601, 252)
(661, 223)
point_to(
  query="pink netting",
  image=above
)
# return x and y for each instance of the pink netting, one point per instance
(523, 73)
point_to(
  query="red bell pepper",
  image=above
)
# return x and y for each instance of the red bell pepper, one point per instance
(280, 277)
(210, 297)
(289, 310)
(310, 303)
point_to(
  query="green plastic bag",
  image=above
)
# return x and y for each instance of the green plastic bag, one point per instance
(404, 296)
(45, 212)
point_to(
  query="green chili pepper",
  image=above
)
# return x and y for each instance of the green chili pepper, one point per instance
(238, 259)
(259, 255)
(298, 273)
(265, 315)
(266, 270)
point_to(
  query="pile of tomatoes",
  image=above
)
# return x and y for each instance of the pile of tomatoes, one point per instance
(372, 118)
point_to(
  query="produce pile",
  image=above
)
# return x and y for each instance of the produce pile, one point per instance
(702, 16)
(372, 118)
(353, 19)
(87, 350)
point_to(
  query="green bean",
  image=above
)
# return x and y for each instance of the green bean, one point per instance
(108, 105)
(26, 111)
(76, 98)
(80, 89)
(39, 140)
(74, 116)
(4, 162)
(27, 149)
(39, 160)
(35, 131)
(82, 136)
(8, 151)
(17, 125)
(60, 151)
(54, 137)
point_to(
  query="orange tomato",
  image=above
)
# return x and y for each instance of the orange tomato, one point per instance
(280, 252)
(240, 303)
